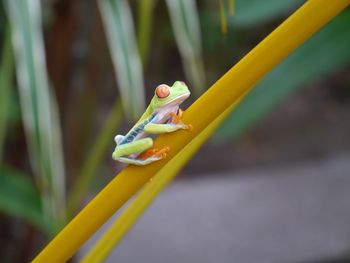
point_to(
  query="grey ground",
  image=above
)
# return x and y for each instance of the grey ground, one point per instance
(295, 213)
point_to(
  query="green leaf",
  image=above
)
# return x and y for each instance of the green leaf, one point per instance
(185, 23)
(247, 13)
(121, 39)
(6, 75)
(321, 55)
(39, 109)
(19, 198)
(144, 27)
(254, 12)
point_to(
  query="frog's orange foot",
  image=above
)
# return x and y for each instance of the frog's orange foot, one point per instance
(147, 153)
(188, 127)
(160, 153)
(176, 119)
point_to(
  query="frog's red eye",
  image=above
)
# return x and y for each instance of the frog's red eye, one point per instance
(162, 91)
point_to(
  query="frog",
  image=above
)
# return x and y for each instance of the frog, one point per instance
(163, 115)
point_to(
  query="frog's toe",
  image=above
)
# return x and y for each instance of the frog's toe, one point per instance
(175, 119)
(165, 149)
(189, 127)
(155, 153)
(162, 152)
(147, 154)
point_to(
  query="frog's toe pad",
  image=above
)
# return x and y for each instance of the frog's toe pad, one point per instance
(161, 154)
(188, 127)
(155, 153)
(158, 156)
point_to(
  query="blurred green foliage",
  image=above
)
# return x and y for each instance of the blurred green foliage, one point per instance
(185, 24)
(144, 27)
(38, 106)
(254, 12)
(6, 74)
(121, 38)
(324, 53)
(20, 198)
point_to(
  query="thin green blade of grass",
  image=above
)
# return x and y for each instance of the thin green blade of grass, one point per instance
(185, 22)
(223, 19)
(325, 52)
(121, 39)
(144, 29)
(20, 198)
(6, 75)
(39, 109)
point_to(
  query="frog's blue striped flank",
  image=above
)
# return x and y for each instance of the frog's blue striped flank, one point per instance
(137, 130)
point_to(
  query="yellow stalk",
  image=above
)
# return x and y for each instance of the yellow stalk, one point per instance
(236, 82)
(164, 176)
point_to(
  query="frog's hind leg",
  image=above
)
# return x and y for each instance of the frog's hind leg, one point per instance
(146, 157)
(136, 161)
(127, 153)
(135, 147)
(155, 153)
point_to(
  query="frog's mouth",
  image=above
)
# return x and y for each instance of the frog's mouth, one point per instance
(178, 100)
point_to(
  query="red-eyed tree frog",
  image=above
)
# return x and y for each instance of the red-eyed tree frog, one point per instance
(163, 115)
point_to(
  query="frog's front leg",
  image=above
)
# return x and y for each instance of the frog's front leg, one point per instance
(124, 152)
(155, 128)
(174, 125)
(176, 118)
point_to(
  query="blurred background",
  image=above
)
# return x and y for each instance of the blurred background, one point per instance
(270, 186)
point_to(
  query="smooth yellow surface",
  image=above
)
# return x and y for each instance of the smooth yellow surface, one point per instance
(312, 16)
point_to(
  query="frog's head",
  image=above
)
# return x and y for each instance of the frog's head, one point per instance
(170, 96)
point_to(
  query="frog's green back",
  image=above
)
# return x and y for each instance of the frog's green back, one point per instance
(148, 112)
